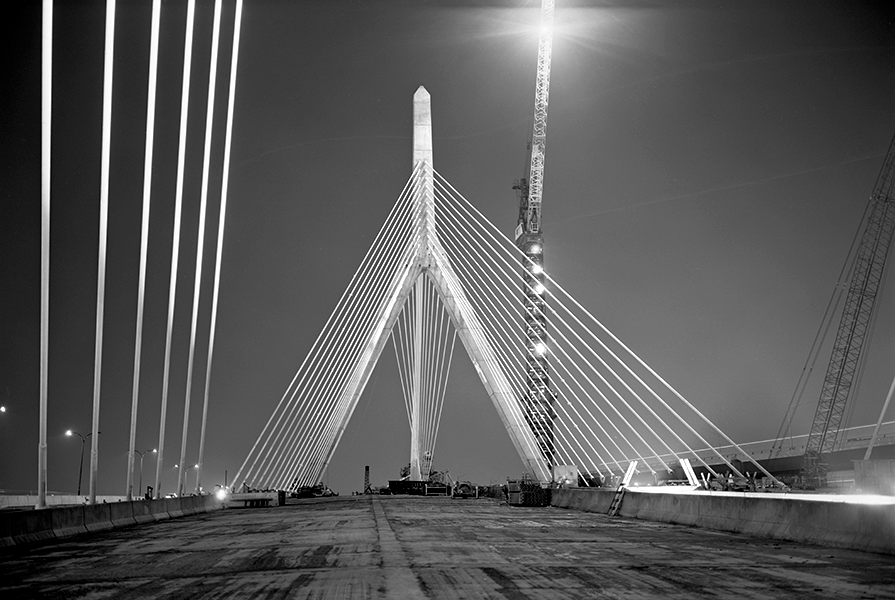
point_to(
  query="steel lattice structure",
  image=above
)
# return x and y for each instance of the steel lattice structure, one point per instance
(854, 326)
(538, 398)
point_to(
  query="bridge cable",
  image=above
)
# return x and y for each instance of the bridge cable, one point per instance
(321, 340)
(222, 217)
(144, 236)
(175, 244)
(109, 55)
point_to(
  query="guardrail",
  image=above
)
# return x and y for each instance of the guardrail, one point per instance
(19, 527)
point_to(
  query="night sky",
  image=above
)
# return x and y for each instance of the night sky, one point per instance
(707, 166)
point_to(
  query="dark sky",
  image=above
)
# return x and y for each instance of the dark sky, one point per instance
(707, 166)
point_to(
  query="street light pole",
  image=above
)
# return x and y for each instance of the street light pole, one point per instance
(70, 433)
(186, 473)
(141, 465)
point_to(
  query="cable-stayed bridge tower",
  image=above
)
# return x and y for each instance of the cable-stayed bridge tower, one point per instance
(432, 263)
(438, 264)
(427, 262)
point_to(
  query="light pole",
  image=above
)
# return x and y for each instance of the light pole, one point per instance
(186, 473)
(154, 451)
(70, 433)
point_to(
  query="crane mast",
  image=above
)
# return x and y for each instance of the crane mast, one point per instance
(538, 399)
(533, 187)
(854, 326)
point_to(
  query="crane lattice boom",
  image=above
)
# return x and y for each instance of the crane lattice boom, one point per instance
(538, 399)
(539, 133)
(854, 326)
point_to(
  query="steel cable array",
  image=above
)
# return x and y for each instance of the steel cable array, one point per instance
(608, 407)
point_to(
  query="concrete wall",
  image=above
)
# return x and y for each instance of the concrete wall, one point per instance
(26, 526)
(30, 501)
(875, 477)
(869, 527)
(585, 499)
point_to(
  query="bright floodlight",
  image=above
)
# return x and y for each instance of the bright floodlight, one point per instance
(222, 494)
(2, 409)
(539, 289)
(68, 433)
(537, 269)
(535, 248)
(540, 349)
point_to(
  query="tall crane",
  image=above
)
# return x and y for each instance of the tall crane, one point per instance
(538, 399)
(854, 326)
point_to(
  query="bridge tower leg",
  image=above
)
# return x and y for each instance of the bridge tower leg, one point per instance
(416, 393)
(431, 261)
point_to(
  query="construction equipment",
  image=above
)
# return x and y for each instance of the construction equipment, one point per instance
(866, 275)
(538, 400)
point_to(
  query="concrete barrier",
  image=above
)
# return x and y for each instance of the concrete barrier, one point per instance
(31, 526)
(159, 508)
(211, 502)
(586, 499)
(202, 505)
(122, 514)
(837, 522)
(143, 511)
(190, 504)
(97, 517)
(5, 533)
(30, 501)
(68, 521)
(25, 526)
(174, 506)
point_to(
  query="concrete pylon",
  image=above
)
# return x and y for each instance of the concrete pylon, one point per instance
(431, 261)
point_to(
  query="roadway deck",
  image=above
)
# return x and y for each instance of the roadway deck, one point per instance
(409, 547)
